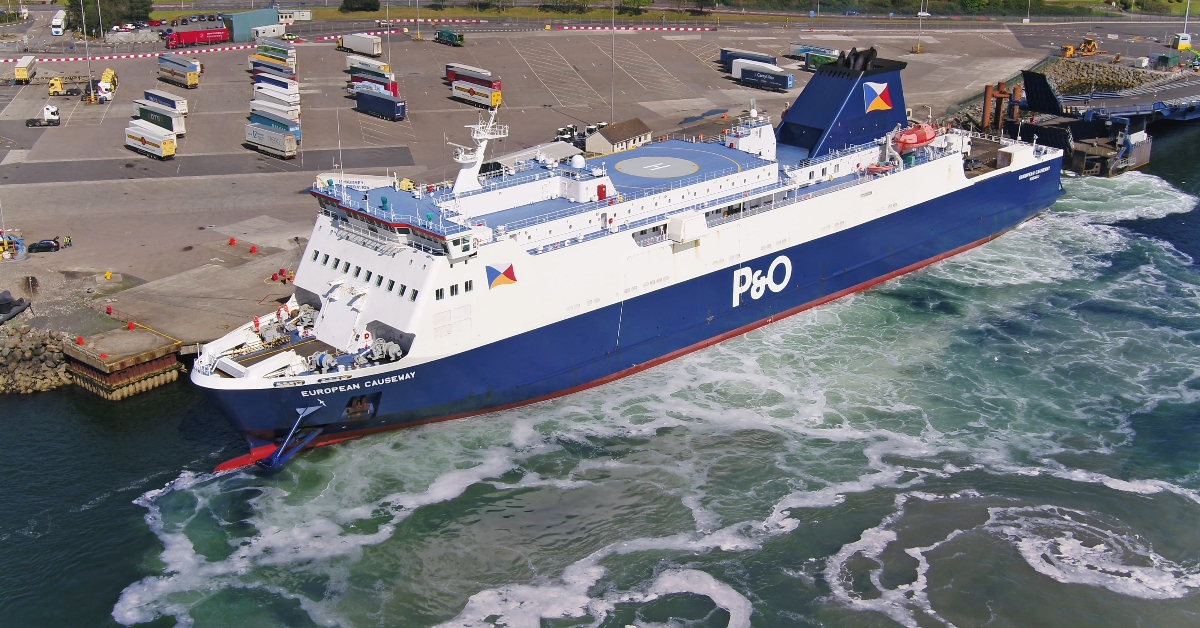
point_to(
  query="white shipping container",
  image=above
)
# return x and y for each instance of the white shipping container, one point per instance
(167, 99)
(264, 91)
(291, 112)
(270, 30)
(293, 88)
(361, 43)
(739, 64)
(155, 142)
(471, 92)
(355, 61)
(276, 142)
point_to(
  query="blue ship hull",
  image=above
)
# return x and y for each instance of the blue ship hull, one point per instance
(624, 338)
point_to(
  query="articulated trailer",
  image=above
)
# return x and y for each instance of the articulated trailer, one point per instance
(276, 122)
(158, 115)
(272, 141)
(273, 94)
(150, 140)
(167, 99)
(475, 94)
(762, 75)
(361, 43)
(380, 105)
(179, 70)
(291, 112)
(729, 55)
(286, 84)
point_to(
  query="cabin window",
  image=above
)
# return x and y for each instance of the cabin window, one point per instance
(413, 297)
(315, 254)
(357, 269)
(336, 261)
(811, 175)
(402, 289)
(378, 280)
(835, 168)
(391, 284)
(367, 278)
(345, 267)
(454, 290)
(468, 285)
(439, 294)
(325, 259)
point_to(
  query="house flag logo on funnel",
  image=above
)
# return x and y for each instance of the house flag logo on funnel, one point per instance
(877, 97)
(497, 277)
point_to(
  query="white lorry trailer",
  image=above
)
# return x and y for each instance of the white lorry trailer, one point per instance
(272, 141)
(150, 140)
(361, 43)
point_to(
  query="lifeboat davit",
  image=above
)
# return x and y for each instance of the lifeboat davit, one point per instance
(915, 137)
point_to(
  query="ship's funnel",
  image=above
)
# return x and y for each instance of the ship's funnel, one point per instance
(853, 100)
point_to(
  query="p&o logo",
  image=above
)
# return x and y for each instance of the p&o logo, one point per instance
(757, 283)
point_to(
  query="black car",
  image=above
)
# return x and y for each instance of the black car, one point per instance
(212, 17)
(43, 246)
(174, 22)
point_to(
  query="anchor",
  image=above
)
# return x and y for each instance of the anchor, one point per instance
(283, 453)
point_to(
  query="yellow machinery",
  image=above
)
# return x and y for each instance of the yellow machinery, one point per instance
(1068, 52)
(1089, 48)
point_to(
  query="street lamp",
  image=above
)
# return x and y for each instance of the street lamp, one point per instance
(921, 15)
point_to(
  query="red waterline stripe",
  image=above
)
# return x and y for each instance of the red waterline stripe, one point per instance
(258, 453)
(133, 56)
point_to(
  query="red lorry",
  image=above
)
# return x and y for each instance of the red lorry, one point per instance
(195, 38)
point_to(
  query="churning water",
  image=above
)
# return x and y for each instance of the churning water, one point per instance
(1006, 438)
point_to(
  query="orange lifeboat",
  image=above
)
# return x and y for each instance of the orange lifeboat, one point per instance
(915, 137)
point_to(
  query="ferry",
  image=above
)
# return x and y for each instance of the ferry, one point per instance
(429, 302)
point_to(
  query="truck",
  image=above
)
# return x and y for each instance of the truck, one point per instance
(799, 49)
(49, 117)
(761, 74)
(57, 87)
(271, 141)
(450, 38)
(201, 37)
(180, 70)
(58, 23)
(291, 112)
(26, 69)
(167, 99)
(273, 94)
(150, 140)
(270, 30)
(356, 62)
(814, 60)
(276, 122)
(158, 115)
(359, 85)
(729, 55)
(359, 74)
(379, 105)
(486, 81)
(361, 43)
(454, 69)
(476, 94)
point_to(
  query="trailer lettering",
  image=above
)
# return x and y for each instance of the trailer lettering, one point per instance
(757, 283)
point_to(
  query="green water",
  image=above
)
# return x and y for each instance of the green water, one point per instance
(1008, 438)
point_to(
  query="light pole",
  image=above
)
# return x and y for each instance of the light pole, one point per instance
(612, 85)
(1186, 13)
(83, 18)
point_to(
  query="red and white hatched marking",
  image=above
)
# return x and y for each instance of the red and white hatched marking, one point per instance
(131, 56)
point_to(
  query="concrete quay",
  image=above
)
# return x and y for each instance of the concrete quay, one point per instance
(163, 228)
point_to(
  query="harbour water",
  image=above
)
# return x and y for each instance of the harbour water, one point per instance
(1010, 437)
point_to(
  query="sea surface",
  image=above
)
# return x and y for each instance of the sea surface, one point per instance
(1007, 438)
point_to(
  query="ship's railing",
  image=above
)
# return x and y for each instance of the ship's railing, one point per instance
(626, 198)
(439, 228)
(384, 243)
(832, 155)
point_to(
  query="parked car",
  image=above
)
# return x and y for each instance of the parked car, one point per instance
(174, 22)
(183, 21)
(154, 23)
(140, 24)
(194, 18)
(116, 29)
(289, 37)
(43, 246)
(852, 13)
(972, 164)
(212, 17)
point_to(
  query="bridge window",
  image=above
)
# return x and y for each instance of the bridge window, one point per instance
(439, 294)
(413, 297)
(454, 290)
(391, 284)
(325, 260)
(367, 278)
(835, 168)
(378, 280)
(811, 175)
(357, 269)
(468, 285)
(315, 254)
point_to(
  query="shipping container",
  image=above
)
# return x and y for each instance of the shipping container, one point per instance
(355, 61)
(486, 81)
(814, 60)
(477, 94)
(285, 73)
(186, 63)
(450, 38)
(392, 88)
(270, 140)
(25, 70)
(729, 55)
(361, 43)
(291, 112)
(254, 62)
(761, 74)
(282, 95)
(286, 84)
(382, 77)
(178, 76)
(158, 143)
(168, 100)
(799, 49)
(380, 105)
(197, 38)
(158, 115)
(276, 122)
(454, 69)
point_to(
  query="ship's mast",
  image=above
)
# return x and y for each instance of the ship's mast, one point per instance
(472, 158)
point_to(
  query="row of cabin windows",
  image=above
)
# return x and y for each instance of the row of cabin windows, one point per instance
(440, 293)
(824, 172)
(391, 284)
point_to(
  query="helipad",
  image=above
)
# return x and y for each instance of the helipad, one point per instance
(657, 167)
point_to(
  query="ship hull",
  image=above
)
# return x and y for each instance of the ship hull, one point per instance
(621, 339)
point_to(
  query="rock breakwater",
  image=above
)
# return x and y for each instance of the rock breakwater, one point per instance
(31, 360)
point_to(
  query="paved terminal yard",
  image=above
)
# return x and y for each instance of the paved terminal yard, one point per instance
(164, 226)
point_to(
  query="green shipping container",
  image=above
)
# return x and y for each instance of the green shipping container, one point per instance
(812, 60)
(449, 37)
